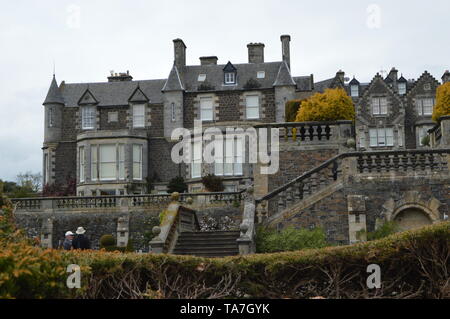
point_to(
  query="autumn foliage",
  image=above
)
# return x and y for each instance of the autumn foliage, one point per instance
(332, 105)
(442, 106)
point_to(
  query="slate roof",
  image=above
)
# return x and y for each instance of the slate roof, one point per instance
(173, 82)
(112, 93)
(244, 72)
(54, 94)
(304, 83)
(322, 85)
(284, 76)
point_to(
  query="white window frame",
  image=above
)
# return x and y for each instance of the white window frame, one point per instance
(88, 117)
(379, 106)
(138, 115)
(230, 78)
(230, 161)
(82, 163)
(354, 90)
(102, 162)
(421, 107)
(137, 161)
(402, 88)
(196, 161)
(121, 161)
(260, 74)
(201, 77)
(381, 137)
(249, 107)
(206, 106)
(94, 163)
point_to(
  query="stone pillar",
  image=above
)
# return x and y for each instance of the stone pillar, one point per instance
(357, 226)
(47, 233)
(445, 131)
(123, 231)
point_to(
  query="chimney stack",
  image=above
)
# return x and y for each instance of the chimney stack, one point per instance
(208, 60)
(255, 52)
(180, 53)
(285, 49)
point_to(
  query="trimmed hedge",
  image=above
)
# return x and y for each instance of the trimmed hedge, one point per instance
(413, 264)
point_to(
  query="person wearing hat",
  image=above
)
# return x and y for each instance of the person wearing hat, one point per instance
(81, 241)
(67, 244)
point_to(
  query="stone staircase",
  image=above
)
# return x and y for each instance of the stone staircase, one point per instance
(207, 244)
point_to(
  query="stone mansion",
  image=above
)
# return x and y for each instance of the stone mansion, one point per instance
(114, 137)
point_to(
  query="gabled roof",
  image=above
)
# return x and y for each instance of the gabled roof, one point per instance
(284, 77)
(87, 98)
(53, 94)
(354, 81)
(402, 80)
(173, 82)
(138, 96)
(229, 67)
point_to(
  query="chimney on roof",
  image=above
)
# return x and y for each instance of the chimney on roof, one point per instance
(255, 52)
(208, 60)
(285, 49)
(446, 77)
(179, 54)
(120, 77)
(341, 75)
(393, 74)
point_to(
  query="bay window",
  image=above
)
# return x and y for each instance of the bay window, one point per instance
(229, 163)
(107, 162)
(94, 163)
(252, 106)
(138, 115)
(121, 158)
(88, 117)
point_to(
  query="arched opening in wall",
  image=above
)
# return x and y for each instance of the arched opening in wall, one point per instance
(412, 218)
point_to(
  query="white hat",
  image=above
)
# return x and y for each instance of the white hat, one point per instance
(80, 230)
(69, 233)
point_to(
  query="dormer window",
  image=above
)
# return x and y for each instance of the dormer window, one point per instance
(354, 90)
(260, 74)
(402, 88)
(88, 117)
(229, 74)
(230, 78)
(201, 77)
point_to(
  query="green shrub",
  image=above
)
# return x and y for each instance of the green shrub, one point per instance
(107, 241)
(177, 184)
(291, 110)
(213, 183)
(426, 140)
(289, 239)
(385, 230)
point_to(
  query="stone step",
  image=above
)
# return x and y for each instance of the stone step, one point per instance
(206, 247)
(209, 254)
(208, 244)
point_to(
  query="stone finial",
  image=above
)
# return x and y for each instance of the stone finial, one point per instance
(351, 143)
(189, 200)
(243, 227)
(156, 231)
(175, 196)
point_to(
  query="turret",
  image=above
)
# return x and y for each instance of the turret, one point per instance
(53, 105)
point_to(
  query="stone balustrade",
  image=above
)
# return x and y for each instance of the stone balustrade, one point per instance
(349, 165)
(130, 201)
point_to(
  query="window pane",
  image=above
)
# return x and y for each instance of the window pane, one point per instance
(402, 88)
(139, 115)
(354, 90)
(88, 117)
(373, 137)
(389, 137)
(375, 106)
(137, 161)
(81, 158)
(206, 109)
(121, 161)
(94, 174)
(196, 164)
(383, 105)
(381, 137)
(427, 106)
(107, 162)
(252, 107)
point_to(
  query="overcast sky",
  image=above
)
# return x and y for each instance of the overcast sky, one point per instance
(87, 39)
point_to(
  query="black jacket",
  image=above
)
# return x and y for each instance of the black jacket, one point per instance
(81, 242)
